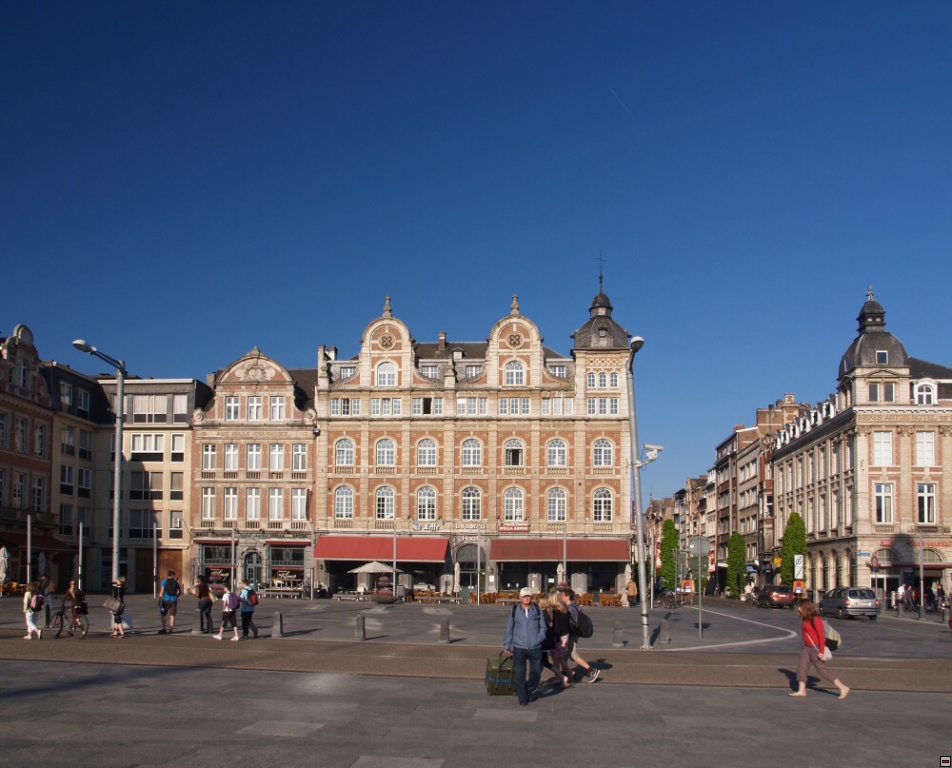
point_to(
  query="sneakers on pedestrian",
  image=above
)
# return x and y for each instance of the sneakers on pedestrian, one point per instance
(217, 637)
(593, 675)
(235, 639)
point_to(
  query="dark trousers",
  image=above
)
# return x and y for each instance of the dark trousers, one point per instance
(520, 657)
(246, 621)
(205, 617)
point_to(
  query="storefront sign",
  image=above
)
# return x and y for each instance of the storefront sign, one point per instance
(470, 526)
(425, 527)
(514, 528)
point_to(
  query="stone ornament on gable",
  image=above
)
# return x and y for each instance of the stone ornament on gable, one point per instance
(255, 372)
(386, 341)
(514, 340)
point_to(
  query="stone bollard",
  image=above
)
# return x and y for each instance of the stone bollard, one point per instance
(663, 634)
(277, 625)
(618, 636)
(445, 631)
(899, 609)
(197, 624)
(361, 633)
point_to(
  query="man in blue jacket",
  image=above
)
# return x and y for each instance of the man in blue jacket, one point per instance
(525, 631)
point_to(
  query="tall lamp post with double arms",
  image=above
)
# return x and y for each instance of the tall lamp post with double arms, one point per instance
(121, 373)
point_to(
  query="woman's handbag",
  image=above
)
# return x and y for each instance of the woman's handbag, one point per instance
(114, 604)
(213, 597)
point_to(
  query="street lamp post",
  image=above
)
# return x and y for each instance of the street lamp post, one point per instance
(635, 480)
(121, 372)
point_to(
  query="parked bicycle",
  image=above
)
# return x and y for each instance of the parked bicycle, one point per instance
(63, 621)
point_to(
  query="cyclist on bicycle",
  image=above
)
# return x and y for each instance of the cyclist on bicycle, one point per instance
(77, 600)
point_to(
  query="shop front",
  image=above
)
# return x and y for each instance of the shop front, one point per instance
(594, 565)
(419, 560)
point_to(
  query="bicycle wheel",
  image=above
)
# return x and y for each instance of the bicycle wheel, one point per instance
(57, 625)
(82, 625)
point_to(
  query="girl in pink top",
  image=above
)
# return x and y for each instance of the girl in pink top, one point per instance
(814, 642)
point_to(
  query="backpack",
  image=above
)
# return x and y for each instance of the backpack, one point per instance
(252, 597)
(171, 588)
(232, 601)
(583, 626)
(36, 602)
(831, 636)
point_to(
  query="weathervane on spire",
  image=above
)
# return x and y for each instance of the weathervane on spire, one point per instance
(869, 293)
(601, 277)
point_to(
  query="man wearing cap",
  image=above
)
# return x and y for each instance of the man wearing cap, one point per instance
(525, 631)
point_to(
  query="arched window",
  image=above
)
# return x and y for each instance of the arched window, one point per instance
(472, 504)
(515, 453)
(555, 505)
(344, 503)
(602, 453)
(387, 374)
(602, 380)
(472, 453)
(515, 374)
(426, 503)
(384, 503)
(613, 380)
(344, 453)
(602, 505)
(386, 453)
(514, 505)
(426, 453)
(556, 454)
(925, 394)
(590, 380)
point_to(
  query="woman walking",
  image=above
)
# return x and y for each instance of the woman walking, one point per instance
(814, 645)
(203, 593)
(119, 593)
(561, 629)
(32, 608)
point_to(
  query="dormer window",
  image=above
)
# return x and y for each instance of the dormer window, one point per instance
(925, 394)
(882, 357)
(885, 393)
(515, 374)
(430, 370)
(386, 375)
(346, 371)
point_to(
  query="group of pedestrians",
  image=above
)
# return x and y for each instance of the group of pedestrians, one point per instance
(541, 634)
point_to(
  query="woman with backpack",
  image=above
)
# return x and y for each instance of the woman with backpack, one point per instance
(229, 605)
(32, 607)
(558, 621)
(814, 645)
(119, 594)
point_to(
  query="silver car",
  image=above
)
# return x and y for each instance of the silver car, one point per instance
(850, 601)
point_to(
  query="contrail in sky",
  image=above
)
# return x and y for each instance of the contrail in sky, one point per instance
(623, 105)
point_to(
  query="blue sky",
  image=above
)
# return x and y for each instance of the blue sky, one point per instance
(182, 181)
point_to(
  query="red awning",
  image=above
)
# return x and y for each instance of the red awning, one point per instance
(550, 550)
(40, 542)
(414, 549)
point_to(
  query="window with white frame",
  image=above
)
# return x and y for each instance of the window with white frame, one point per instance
(471, 504)
(275, 503)
(179, 409)
(150, 409)
(344, 453)
(299, 504)
(67, 479)
(344, 503)
(559, 370)
(39, 440)
(208, 503)
(925, 449)
(66, 396)
(231, 457)
(386, 453)
(602, 505)
(925, 501)
(255, 408)
(231, 408)
(141, 522)
(514, 451)
(276, 457)
(430, 370)
(590, 381)
(427, 406)
(472, 370)
(426, 503)
(176, 524)
(602, 453)
(556, 453)
(346, 371)
(253, 504)
(386, 406)
(142, 443)
(209, 456)
(472, 406)
(557, 406)
(514, 505)
(514, 374)
(299, 457)
(277, 408)
(82, 403)
(426, 453)
(472, 453)
(85, 444)
(613, 380)
(21, 435)
(84, 483)
(384, 503)
(925, 394)
(556, 504)
(884, 502)
(230, 504)
(3, 429)
(387, 374)
(882, 449)
(253, 457)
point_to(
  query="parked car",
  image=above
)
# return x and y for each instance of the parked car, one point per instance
(849, 602)
(776, 596)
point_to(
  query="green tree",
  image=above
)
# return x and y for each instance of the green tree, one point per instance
(669, 554)
(794, 543)
(736, 564)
